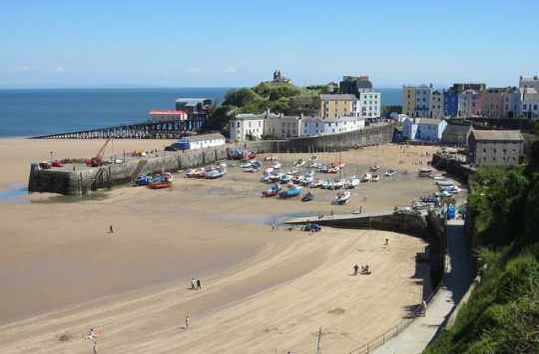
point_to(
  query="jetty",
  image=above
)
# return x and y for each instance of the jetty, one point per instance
(145, 130)
(395, 221)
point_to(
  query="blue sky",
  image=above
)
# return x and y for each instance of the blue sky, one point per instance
(186, 43)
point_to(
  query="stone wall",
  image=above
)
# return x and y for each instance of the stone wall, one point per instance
(452, 166)
(81, 182)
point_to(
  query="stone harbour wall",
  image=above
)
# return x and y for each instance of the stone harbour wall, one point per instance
(88, 179)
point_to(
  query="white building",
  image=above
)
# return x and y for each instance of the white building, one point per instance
(529, 82)
(200, 141)
(370, 105)
(243, 126)
(530, 102)
(423, 129)
(282, 126)
(314, 126)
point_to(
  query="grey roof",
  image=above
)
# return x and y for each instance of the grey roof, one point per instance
(203, 137)
(497, 135)
(454, 129)
(191, 100)
(431, 121)
(338, 97)
(247, 116)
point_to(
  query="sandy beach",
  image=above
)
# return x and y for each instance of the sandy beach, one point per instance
(263, 291)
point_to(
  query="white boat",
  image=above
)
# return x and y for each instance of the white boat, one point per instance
(293, 172)
(425, 172)
(438, 177)
(327, 185)
(215, 173)
(268, 170)
(276, 165)
(316, 183)
(251, 169)
(169, 176)
(366, 177)
(390, 173)
(342, 197)
(338, 184)
(444, 183)
(299, 163)
(375, 178)
(309, 173)
(354, 181)
(374, 168)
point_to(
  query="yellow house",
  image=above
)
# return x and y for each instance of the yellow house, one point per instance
(408, 100)
(335, 106)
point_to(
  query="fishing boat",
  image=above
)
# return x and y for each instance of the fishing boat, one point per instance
(291, 192)
(425, 172)
(275, 176)
(322, 168)
(375, 178)
(333, 170)
(390, 173)
(354, 181)
(276, 165)
(366, 177)
(143, 179)
(216, 173)
(271, 192)
(285, 179)
(299, 163)
(327, 185)
(374, 168)
(339, 165)
(307, 197)
(342, 197)
(196, 173)
(251, 169)
(338, 183)
(316, 183)
(159, 182)
(438, 177)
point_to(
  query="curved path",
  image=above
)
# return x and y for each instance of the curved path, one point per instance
(414, 338)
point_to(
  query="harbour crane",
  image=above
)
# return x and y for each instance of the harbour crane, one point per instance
(97, 160)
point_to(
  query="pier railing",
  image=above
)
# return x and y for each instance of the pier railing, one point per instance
(393, 331)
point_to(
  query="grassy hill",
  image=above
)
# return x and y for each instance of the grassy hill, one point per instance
(502, 315)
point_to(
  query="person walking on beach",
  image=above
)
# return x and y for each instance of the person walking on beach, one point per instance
(193, 284)
(187, 321)
(356, 268)
(387, 242)
(199, 284)
(111, 230)
(95, 348)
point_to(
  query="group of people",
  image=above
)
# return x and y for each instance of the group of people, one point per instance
(196, 284)
(365, 270)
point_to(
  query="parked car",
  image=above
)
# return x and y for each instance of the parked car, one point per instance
(171, 148)
(57, 164)
(311, 227)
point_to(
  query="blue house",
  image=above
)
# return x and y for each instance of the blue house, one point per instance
(451, 104)
(423, 129)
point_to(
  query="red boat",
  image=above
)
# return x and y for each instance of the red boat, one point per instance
(159, 185)
(57, 164)
(272, 192)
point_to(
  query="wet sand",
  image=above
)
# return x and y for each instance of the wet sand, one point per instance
(263, 291)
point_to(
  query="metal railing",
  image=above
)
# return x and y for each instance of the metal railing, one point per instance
(393, 331)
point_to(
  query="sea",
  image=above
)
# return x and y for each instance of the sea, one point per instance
(32, 112)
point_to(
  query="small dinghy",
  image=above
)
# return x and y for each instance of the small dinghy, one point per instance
(307, 197)
(291, 192)
(366, 177)
(390, 173)
(271, 192)
(299, 163)
(342, 197)
(375, 178)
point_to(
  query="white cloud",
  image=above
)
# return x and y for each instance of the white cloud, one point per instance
(20, 69)
(231, 69)
(59, 69)
(193, 70)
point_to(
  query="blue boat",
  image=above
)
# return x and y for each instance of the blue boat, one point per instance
(291, 192)
(143, 179)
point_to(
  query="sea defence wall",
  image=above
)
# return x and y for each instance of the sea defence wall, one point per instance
(453, 166)
(82, 180)
(429, 227)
